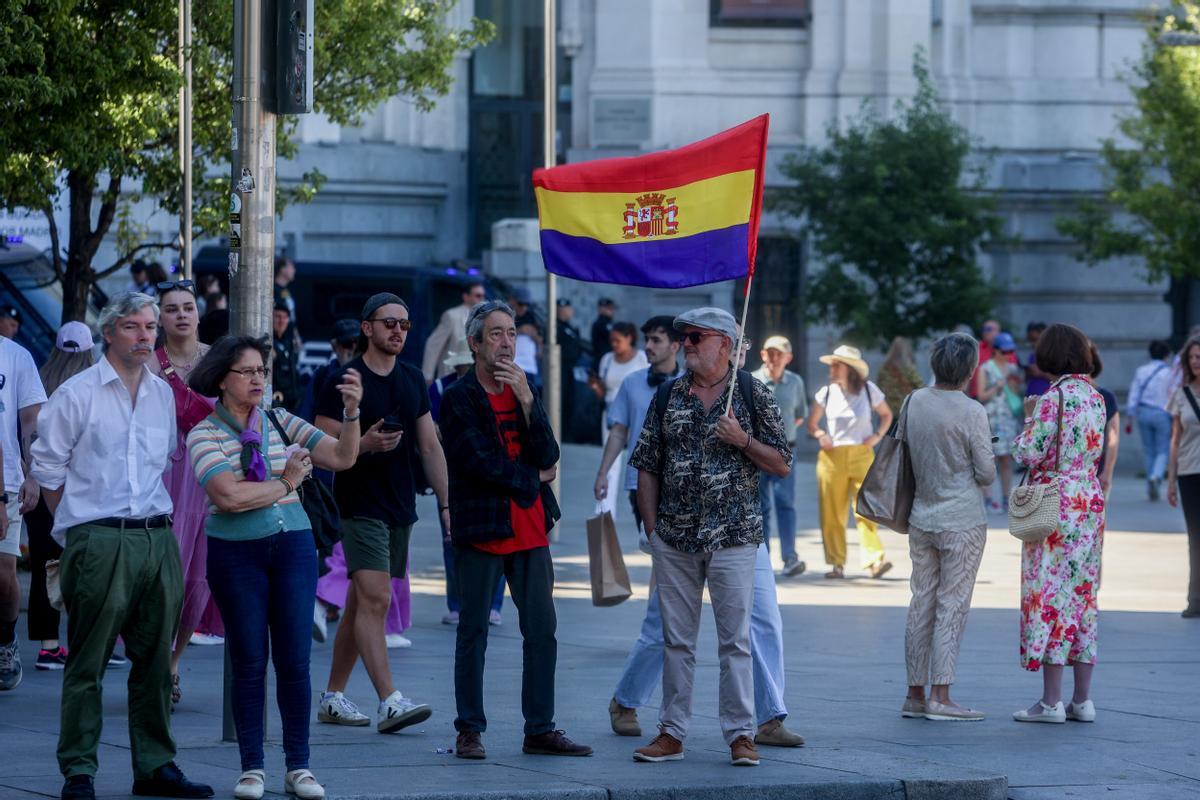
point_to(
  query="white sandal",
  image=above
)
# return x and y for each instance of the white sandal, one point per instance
(294, 783)
(1054, 714)
(250, 785)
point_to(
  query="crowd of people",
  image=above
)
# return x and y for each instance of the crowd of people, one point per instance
(171, 485)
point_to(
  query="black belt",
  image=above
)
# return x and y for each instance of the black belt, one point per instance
(134, 523)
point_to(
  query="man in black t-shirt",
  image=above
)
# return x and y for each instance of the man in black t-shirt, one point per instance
(376, 498)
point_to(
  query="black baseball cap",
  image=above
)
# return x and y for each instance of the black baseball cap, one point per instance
(345, 331)
(11, 312)
(562, 302)
(606, 301)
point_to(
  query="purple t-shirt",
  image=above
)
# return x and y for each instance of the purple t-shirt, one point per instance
(1036, 386)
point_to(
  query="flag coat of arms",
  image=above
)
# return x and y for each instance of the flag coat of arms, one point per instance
(667, 220)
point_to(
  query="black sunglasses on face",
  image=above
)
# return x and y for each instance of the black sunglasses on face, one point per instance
(167, 286)
(391, 322)
(696, 336)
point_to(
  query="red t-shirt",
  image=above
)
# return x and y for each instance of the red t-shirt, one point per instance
(529, 524)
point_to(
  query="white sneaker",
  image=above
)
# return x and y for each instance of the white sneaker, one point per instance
(450, 618)
(1082, 712)
(1054, 714)
(396, 641)
(336, 709)
(206, 639)
(398, 712)
(320, 624)
(494, 618)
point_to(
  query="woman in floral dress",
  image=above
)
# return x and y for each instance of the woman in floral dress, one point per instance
(1059, 575)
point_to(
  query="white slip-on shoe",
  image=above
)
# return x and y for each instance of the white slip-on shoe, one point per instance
(395, 641)
(337, 709)
(1054, 714)
(913, 709)
(944, 712)
(398, 711)
(1082, 712)
(303, 784)
(250, 786)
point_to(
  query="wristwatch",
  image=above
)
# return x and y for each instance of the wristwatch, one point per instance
(4, 498)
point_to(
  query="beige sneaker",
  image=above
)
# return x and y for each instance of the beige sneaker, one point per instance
(665, 747)
(743, 753)
(624, 720)
(774, 734)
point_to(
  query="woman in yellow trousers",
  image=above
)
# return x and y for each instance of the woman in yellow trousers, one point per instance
(847, 451)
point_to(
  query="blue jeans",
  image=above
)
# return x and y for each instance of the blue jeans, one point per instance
(1154, 424)
(780, 492)
(453, 602)
(643, 668)
(264, 589)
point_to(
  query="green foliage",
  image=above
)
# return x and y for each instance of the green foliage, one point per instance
(896, 220)
(91, 90)
(1154, 176)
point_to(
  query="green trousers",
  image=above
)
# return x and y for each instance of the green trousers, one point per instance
(129, 584)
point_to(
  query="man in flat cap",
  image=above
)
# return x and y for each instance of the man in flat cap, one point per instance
(698, 496)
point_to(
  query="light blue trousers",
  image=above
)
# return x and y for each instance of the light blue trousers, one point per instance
(643, 669)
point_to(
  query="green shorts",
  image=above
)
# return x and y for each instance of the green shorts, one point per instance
(373, 544)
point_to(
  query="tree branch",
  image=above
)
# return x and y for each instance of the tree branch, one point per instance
(128, 257)
(56, 253)
(108, 211)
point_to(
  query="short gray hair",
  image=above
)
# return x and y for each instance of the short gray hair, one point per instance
(480, 312)
(954, 358)
(121, 306)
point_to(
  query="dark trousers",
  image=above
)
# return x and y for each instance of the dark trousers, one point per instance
(453, 603)
(264, 589)
(530, 575)
(126, 583)
(44, 620)
(1189, 498)
(637, 514)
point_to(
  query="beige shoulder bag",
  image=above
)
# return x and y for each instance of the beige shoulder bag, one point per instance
(1033, 509)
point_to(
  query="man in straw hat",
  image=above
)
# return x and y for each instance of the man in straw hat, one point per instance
(847, 451)
(698, 496)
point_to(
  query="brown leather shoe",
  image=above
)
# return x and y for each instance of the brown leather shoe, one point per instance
(880, 568)
(663, 747)
(743, 753)
(469, 745)
(773, 733)
(554, 743)
(624, 720)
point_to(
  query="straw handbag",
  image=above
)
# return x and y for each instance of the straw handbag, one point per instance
(1033, 509)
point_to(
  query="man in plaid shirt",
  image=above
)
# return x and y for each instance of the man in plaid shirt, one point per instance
(501, 455)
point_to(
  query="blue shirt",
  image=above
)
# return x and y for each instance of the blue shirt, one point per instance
(629, 408)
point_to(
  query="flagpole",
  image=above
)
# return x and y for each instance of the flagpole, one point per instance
(737, 353)
(553, 383)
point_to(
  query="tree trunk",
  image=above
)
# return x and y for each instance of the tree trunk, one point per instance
(79, 275)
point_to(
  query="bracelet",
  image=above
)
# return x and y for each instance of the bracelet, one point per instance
(347, 418)
(443, 508)
(287, 485)
(749, 440)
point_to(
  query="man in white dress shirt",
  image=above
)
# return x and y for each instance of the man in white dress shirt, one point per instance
(450, 335)
(105, 437)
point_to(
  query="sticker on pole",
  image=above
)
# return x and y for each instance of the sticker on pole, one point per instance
(233, 140)
(233, 263)
(246, 182)
(235, 204)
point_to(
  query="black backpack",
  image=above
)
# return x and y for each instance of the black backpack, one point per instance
(662, 397)
(318, 502)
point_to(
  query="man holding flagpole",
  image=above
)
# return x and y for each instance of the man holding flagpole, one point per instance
(698, 496)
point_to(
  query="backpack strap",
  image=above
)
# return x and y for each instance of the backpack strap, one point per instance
(662, 397)
(1187, 390)
(287, 440)
(746, 387)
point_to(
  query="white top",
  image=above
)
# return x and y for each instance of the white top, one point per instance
(1189, 435)
(613, 372)
(848, 418)
(1152, 385)
(950, 444)
(107, 454)
(20, 387)
(450, 334)
(525, 355)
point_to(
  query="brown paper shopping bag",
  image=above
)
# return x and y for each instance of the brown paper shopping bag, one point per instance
(610, 579)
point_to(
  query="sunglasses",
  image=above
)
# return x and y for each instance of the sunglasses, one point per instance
(251, 372)
(695, 337)
(391, 322)
(167, 286)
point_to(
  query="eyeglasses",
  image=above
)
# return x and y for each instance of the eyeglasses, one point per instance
(167, 286)
(252, 372)
(695, 336)
(391, 322)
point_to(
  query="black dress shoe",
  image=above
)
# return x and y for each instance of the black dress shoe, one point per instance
(1189, 613)
(169, 781)
(79, 787)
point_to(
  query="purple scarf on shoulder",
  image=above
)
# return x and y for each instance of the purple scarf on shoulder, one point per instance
(254, 466)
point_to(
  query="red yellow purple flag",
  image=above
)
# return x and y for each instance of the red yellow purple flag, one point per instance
(669, 219)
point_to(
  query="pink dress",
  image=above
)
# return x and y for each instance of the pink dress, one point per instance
(333, 585)
(191, 507)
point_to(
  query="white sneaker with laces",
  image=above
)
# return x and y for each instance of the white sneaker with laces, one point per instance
(395, 641)
(397, 712)
(206, 639)
(320, 624)
(1082, 712)
(335, 708)
(494, 618)
(450, 618)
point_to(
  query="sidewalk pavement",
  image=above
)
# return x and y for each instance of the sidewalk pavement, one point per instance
(845, 684)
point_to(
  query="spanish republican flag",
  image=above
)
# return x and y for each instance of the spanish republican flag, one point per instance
(668, 220)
